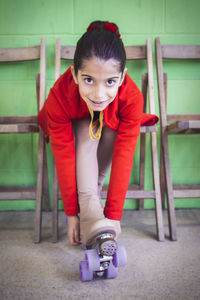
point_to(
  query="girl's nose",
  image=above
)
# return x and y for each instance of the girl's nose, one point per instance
(99, 93)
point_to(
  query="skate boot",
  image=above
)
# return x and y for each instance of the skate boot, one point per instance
(102, 258)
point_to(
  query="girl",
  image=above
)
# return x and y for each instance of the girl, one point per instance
(93, 115)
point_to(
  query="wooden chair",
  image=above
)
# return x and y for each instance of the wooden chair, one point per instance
(143, 52)
(174, 124)
(28, 124)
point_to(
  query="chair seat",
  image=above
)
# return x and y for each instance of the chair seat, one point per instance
(19, 128)
(144, 129)
(186, 190)
(134, 191)
(18, 192)
(184, 127)
(18, 124)
(186, 193)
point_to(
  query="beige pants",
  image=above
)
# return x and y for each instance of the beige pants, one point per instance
(93, 160)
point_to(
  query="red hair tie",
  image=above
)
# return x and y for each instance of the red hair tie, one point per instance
(108, 26)
(90, 27)
(113, 28)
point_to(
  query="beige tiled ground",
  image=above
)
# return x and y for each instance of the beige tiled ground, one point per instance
(155, 270)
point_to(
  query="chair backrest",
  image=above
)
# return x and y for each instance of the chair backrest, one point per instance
(172, 52)
(29, 54)
(143, 52)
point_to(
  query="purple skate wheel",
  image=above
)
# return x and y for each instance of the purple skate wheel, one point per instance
(66, 221)
(92, 259)
(85, 274)
(83, 245)
(86, 247)
(111, 272)
(120, 257)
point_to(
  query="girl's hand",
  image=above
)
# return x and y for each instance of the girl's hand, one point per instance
(73, 230)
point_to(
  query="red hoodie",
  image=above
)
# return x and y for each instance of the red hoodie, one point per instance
(124, 115)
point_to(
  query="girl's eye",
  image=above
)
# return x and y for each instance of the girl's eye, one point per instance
(110, 82)
(88, 80)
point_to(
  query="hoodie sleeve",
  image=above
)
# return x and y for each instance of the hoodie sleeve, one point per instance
(62, 141)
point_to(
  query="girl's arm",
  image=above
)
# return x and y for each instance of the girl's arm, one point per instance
(62, 142)
(124, 148)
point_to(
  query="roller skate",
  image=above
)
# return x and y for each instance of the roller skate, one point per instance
(103, 258)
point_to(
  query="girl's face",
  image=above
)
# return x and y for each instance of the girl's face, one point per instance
(98, 81)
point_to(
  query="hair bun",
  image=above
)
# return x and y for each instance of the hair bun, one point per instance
(90, 27)
(112, 27)
(106, 26)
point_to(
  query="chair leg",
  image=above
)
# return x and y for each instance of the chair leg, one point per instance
(158, 207)
(55, 206)
(142, 167)
(169, 188)
(46, 183)
(162, 177)
(38, 210)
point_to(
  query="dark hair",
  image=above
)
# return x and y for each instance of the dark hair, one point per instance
(102, 39)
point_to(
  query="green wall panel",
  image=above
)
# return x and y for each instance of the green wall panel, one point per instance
(179, 39)
(183, 95)
(184, 152)
(188, 70)
(84, 14)
(18, 159)
(36, 17)
(12, 41)
(19, 71)
(18, 100)
(182, 16)
(138, 16)
(135, 17)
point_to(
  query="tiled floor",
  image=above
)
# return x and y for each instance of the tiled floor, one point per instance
(155, 270)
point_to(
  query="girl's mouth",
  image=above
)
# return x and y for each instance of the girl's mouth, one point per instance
(98, 102)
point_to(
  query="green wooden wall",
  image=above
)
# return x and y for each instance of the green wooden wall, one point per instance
(24, 22)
